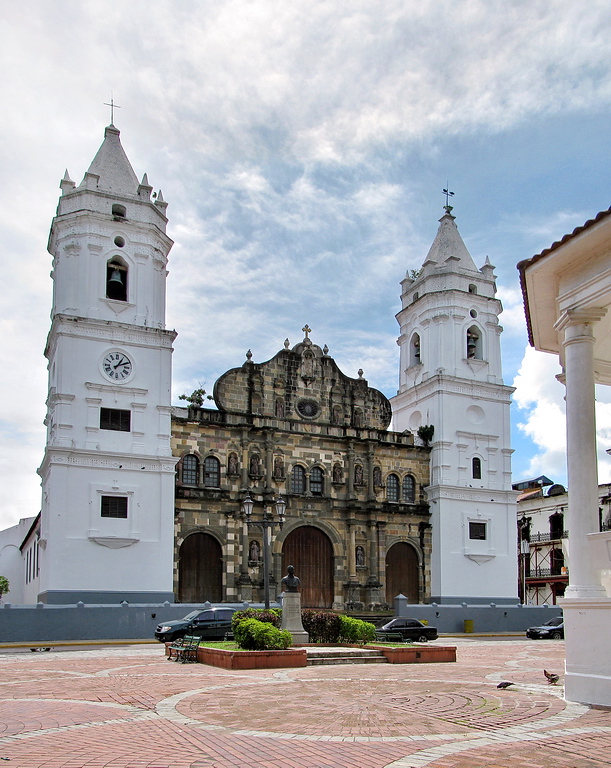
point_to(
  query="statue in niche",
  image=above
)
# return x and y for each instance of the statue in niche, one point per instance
(255, 465)
(279, 409)
(290, 583)
(278, 468)
(232, 464)
(377, 476)
(337, 473)
(358, 417)
(358, 475)
(337, 415)
(254, 551)
(360, 555)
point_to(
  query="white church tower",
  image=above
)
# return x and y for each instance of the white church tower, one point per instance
(108, 474)
(450, 379)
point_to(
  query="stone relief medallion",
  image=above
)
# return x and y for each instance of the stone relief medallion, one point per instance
(308, 409)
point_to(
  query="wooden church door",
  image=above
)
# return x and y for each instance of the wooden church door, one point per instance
(402, 575)
(200, 570)
(311, 552)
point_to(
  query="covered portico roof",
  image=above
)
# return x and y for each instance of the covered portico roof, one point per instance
(572, 279)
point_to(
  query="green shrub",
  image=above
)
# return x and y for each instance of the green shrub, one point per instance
(271, 616)
(321, 626)
(254, 635)
(356, 631)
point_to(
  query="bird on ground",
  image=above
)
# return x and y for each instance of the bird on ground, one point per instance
(552, 677)
(505, 684)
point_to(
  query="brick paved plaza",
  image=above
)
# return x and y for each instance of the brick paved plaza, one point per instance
(127, 707)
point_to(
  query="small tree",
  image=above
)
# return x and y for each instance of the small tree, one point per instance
(196, 398)
(425, 433)
(3, 585)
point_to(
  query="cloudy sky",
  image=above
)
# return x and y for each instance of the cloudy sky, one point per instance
(303, 147)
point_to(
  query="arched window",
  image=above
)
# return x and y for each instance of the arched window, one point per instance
(474, 344)
(316, 481)
(119, 211)
(190, 467)
(298, 479)
(392, 488)
(473, 288)
(414, 350)
(477, 468)
(116, 280)
(409, 489)
(212, 472)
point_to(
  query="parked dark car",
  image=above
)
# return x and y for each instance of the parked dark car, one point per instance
(409, 629)
(210, 624)
(553, 629)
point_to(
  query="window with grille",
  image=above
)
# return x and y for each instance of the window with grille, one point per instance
(392, 488)
(409, 489)
(113, 418)
(298, 479)
(190, 469)
(114, 506)
(477, 531)
(316, 481)
(212, 472)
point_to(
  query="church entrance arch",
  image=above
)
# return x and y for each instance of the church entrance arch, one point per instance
(402, 573)
(311, 552)
(200, 569)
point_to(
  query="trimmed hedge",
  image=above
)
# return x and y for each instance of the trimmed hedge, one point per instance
(356, 630)
(321, 626)
(254, 635)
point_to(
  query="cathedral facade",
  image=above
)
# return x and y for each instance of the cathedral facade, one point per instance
(295, 429)
(296, 465)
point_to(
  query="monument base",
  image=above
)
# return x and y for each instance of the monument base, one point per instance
(291, 617)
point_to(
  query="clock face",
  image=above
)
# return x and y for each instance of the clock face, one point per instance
(117, 366)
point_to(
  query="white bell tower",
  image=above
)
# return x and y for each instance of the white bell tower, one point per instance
(450, 378)
(108, 474)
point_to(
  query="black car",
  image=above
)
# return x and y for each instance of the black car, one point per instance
(210, 624)
(553, 629)
(409, 629)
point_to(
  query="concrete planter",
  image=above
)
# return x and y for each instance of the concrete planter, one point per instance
(217, 657)
(297, 657)
(419, 654)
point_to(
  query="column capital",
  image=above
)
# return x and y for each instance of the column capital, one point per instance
(574, 317)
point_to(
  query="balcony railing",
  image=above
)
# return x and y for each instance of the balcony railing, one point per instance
(546, 573)
(536, 538)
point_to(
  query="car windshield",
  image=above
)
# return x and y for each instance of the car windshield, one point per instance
(554, 622)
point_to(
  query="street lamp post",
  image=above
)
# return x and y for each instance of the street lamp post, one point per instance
(266, 525)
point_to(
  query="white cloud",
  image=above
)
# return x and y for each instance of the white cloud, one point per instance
(540, 398)
(290, 141)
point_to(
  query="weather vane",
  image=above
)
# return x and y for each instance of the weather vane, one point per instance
(112, 106)
(448, 195)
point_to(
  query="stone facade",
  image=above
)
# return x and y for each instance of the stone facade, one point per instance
(357, 523)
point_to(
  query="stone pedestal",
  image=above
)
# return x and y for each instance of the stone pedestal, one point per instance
(587, 627)
(291, 617)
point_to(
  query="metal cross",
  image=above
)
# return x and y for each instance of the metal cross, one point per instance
(112, 106)
(448, 195)
(306, 329)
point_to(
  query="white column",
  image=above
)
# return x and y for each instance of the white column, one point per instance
(581, 448)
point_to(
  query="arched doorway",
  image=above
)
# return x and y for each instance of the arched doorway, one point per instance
(402, 574)
(311, 552)
(200, 569)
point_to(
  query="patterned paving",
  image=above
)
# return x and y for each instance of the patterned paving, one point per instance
(130, 708)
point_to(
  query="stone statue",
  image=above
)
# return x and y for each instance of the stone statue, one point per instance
(233, 464)
(290, 582)
(278, 468)
(360, 555)
(255, 551)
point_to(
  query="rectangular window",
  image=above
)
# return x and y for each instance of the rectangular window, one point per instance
(114, 506)
(113, 418)
(477, 531)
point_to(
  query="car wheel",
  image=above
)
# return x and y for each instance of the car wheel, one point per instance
(423, 639)
(556, 635)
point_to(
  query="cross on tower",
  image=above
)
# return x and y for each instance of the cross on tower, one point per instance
(448, 195)
(307, 330)
(112, 106)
